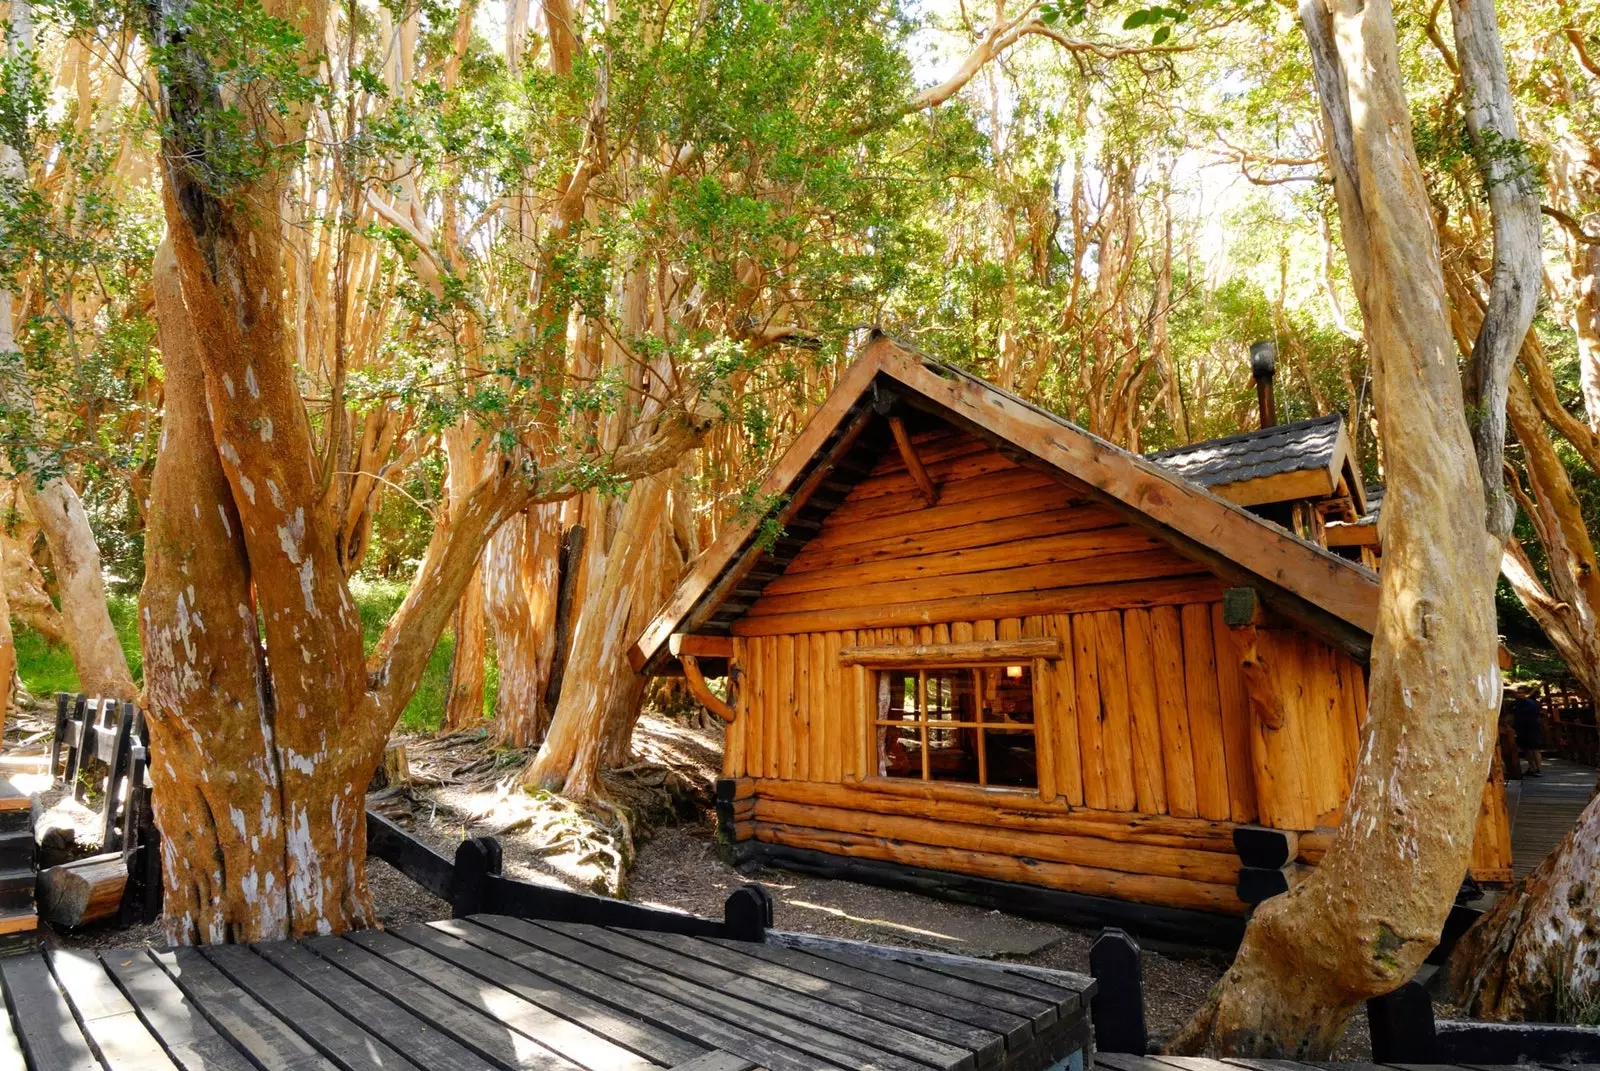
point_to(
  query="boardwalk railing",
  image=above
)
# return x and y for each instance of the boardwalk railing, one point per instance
(114, 734)
(1405, 1032)
(473, 884)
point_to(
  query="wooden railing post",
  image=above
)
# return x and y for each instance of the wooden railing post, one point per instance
(477, 860)
(1401, 1024)
(748, 913)
(1117, 1009)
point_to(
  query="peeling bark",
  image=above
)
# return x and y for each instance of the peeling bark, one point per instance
(521, 576)
(598, 701)
(1536, 955)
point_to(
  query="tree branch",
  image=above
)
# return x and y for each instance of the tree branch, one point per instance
(1513, 195)
(396, 666)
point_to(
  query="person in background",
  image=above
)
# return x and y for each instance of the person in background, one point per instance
(1529, 722)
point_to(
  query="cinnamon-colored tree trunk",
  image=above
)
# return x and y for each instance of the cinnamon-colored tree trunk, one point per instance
(521, 576)
(1365, 919)
(607, 692)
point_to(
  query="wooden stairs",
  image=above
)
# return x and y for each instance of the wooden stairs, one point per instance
(19, 920)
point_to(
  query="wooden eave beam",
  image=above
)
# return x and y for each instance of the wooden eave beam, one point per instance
(683, 643)
(913, 463)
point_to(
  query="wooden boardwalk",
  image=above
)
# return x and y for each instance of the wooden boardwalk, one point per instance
(493, 992)
(1545, 809)
(1114, 1062)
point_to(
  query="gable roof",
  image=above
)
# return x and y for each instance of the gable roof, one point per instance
(1326, 593)
(1266, 465)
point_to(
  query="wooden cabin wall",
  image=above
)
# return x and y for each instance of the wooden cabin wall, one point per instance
(1147, 748)
(1146, 712)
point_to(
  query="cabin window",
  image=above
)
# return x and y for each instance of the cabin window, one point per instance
(969, 725)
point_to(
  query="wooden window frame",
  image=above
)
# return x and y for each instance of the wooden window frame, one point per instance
(923, 723)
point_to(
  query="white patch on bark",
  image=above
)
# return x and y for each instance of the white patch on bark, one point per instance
(307, 577)
(277, 495)
(250, 382)
(291, 534)
(306, 764)
(227, 529)
(248, 488)
(266, 429)
(227, 384)
(237, 816)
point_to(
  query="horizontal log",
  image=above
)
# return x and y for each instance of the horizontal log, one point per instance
(1169, 591)
(83, 891)
(1006, 809)
(1111, 568)
(952, 653)
(968, 533)
(1210, 867)
(730, 789)
(1038, 551)
(1314, 844)
(683, 643)
(952, 493)
(1141, 888)
(1014, 504)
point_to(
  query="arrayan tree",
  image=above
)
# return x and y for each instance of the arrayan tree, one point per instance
(1363, 922)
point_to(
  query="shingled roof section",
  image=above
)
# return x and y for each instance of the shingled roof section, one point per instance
(1251, 455)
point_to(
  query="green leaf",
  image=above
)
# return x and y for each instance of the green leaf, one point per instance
(1049, 15)
(1137, 19)
(1161, 35)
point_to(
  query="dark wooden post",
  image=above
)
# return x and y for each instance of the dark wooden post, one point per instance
(748, 913)
(1401, 1024)
(477, 860)
(1118, 1005)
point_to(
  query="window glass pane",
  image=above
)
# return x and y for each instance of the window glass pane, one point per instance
(954, 704)
(899, 752)
(1011, 759)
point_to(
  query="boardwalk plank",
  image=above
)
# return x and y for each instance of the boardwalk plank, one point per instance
(804, 1034)
(237, 1015)
(373, 1010)
(1041, 1013)
(123, 1042)
(48, 1033)
(555, 1017)
(346, 1044)
(717, 1061)
(661, 1011)
(459, 1015)
(191, 1041)
(1016, 1029)
(987, 1045)
(877, 1033)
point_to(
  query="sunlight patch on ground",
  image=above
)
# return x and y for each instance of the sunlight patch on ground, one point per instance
(880, 923)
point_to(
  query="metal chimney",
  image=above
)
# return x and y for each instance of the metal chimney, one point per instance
(1263, 365)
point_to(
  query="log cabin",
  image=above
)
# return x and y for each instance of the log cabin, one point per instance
(992, 656)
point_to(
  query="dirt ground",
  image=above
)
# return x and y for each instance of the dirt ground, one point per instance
(461, 786)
